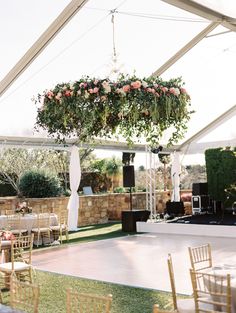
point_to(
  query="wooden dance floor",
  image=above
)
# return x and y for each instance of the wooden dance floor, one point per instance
(139, 260)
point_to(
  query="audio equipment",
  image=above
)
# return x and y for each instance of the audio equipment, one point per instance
(199, 189)
(128, 176)
(175, 208)
(200, 204)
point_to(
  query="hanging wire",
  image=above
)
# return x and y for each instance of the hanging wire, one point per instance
(155, 16)
(57, 56)
(62, 51)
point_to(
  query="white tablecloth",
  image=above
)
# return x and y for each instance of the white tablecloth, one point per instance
(223, 270)
(28, 221)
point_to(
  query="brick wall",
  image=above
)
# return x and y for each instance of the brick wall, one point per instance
(94, 209)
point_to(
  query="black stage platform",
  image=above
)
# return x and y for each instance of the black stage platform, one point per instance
(209, 219)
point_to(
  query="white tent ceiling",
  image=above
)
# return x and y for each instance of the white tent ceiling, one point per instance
(43, 43)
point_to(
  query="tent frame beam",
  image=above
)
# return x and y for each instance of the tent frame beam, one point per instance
(205, 12)
(41, 43)
(185, 49)
(210, 127)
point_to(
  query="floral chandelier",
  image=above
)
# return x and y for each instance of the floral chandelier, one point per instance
(132, 107)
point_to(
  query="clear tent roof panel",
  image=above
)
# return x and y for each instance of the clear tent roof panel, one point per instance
(145, 38)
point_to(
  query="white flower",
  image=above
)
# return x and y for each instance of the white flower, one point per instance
(86, 94)
(145, 84)
(106, 86)
(177, 91)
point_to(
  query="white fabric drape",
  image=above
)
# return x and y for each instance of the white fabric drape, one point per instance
(175, 177)
(75, 176)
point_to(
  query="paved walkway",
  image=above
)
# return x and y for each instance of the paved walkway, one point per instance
(138, 260)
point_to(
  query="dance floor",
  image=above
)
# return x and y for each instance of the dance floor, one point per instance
(139, 260)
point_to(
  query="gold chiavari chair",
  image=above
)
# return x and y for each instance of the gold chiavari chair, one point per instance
(14, 225)
(20, 262)
(156, 310)
(42, 229)
(180, 305)
(24, 295)
(200, 257)
(212, 293)
(86, 303)
(62, 227)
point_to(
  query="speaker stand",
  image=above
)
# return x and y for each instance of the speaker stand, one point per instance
(130, 199)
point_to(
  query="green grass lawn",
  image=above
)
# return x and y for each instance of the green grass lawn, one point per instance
(125, 299)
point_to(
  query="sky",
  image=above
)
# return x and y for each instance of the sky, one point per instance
(147, 33)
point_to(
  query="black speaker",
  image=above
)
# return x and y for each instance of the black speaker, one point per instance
(128, 176)
(175, 208)
(199, 189)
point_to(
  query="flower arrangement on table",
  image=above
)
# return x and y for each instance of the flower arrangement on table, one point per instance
(23, 208)
(6, 235)
(131, 107)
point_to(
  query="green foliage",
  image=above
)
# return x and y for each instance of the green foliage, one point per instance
(192, 174)
(119, 189)
(113, 166)
(131, 107)
(141, 168)
(38, 184)
(221, 171)
(164, 158)
(99, 182)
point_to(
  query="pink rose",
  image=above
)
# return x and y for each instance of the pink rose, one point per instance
(90, 90)
(68, 93)
(164, 89)
(136, 85)
(126, 88)
(50, 94)
(95, 82)
(183, 90)
(95, 90)
(83, 85)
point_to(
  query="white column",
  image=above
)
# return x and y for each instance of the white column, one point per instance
(175, 177)
(75, 175)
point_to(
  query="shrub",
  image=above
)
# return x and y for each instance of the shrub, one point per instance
(38, 184)
(99, 182)
(119, 190)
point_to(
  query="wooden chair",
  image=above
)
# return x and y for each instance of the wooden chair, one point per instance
(24, 296)
(42, 229)
(217, 291)
(87, 303)
(14, 225)
(62, 227)
(180, 305)
(200, 257)
(156, 310)
(20, 263)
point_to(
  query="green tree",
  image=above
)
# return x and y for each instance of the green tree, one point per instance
(15, 162)
(113, 167)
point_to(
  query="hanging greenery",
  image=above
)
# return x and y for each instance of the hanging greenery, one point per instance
(131, 107)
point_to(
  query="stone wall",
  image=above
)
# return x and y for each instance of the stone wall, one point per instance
(94, 209)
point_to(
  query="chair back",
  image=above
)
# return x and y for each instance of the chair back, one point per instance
(156, 310)
(24, 296)
(63, 218)
(21, 249)
(43, 220)
(14, 223)
(200, 257)
(172, 280)
(212, 293)
(87, 303)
